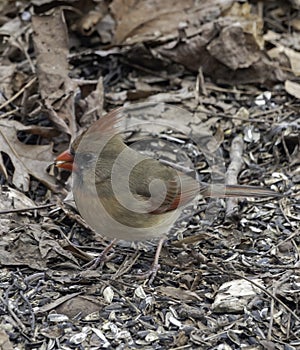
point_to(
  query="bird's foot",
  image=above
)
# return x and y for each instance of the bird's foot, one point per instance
(152, 272)
(95, 263)
(102, 257)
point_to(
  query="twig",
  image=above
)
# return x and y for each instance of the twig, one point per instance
(234, 168)
(200, 85)
(8, 211)
(18, 93)
(13, 315)
(275, 288)
(125, 266)
(13, 111)
(30, 309)
(291, 236)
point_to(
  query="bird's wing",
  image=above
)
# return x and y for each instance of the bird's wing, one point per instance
(179, 192)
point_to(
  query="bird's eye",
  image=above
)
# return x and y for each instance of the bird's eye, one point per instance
(88, 157)
(84, 158)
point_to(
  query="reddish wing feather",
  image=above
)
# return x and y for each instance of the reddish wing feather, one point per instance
(178, 194)
(109, 124)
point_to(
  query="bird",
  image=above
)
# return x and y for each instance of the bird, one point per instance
(123, 194)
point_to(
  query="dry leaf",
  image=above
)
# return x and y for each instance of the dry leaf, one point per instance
(179, 294)
(235, 59)
(234, 295)
(57, 89)
(14, 199)
(93, 105)
(88, 23)
(293, 56)
(292, 88)
(6, 77)
(234, 48)
(5, 343)
(251, 22)
(143, 20)
(27, 159)
(80, 304)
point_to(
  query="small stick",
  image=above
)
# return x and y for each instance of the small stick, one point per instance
(8, 211)
(234, 168)
(18, 93)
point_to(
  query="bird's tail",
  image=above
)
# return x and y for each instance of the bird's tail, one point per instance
(222, 191)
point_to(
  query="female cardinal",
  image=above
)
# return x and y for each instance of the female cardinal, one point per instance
(125, 195)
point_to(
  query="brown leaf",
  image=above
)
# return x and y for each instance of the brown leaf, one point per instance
(81, 304)
(234, 48)
(57, 89)
(93, 105)
(195, 52)
(27, 159)
(292, 88)
(24, 250)
(5, 343)
(140, 20)
(35, 248)
(6, 77)
(56, 303)
(179, 293)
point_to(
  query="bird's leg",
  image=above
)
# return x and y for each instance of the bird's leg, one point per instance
(101, 257)
(152, 272)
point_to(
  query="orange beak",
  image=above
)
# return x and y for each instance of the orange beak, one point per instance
(65, 161)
